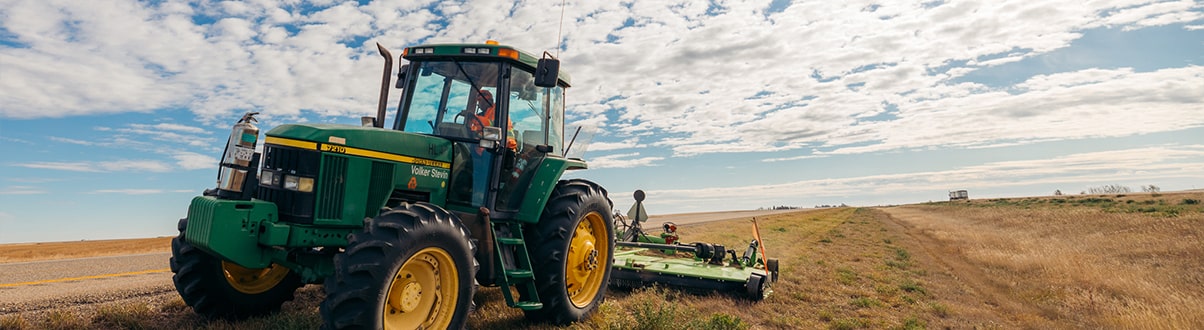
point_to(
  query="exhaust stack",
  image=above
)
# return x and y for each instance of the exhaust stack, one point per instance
(384, 86)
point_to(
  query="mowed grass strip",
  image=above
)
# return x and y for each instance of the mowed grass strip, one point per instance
(841, 268)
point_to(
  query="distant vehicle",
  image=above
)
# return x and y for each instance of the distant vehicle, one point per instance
(958, 195)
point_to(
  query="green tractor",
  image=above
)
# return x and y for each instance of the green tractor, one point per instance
(402, 224)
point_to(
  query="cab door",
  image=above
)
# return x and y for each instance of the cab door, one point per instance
(537, 117)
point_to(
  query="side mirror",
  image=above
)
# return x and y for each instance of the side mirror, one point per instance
(490, 136)
(547, 71)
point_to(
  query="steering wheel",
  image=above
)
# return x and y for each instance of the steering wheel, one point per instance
(471, 119)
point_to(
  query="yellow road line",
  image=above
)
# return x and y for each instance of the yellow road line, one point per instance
(90, 277)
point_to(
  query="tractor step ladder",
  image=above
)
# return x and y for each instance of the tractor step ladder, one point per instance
(521, 277)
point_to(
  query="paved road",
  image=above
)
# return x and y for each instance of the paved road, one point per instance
(38, 285)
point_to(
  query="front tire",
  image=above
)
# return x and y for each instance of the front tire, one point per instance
(575, 236)
(219, 289)
(411, 268)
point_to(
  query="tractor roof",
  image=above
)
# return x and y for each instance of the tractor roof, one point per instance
(488, 49)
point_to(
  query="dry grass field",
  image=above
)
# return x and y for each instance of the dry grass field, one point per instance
(1112, 261)
(1116, 261)
(80, 249)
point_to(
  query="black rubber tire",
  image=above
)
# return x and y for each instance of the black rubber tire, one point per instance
(202, 284)
(355, 294)
(756, 287)
(771, 265)
(570, 203)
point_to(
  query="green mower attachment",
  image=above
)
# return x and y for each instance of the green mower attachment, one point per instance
(642, 259)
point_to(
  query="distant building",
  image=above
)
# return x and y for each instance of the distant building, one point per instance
(958, 195)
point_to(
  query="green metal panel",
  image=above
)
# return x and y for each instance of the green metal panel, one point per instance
(545, 179)
(230, 229)
(355, 176)
(429, 179)
(380, 184)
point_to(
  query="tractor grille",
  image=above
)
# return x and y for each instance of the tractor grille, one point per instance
(294, 206)
(331, 187)
(379, 186)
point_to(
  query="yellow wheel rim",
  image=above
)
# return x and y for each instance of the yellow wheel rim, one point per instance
(253, 280)
(586, 263)
(423, 293)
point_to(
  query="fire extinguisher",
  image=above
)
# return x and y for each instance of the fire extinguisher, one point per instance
(236, 173)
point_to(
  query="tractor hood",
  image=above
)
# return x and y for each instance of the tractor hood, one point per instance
(368, 142)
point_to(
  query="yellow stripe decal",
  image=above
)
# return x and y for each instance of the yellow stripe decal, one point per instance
(291, 143)
(92, 277)
(385, 156)
(335, 148)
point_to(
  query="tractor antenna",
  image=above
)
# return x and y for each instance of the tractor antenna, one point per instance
(574, 139)
(560, 42)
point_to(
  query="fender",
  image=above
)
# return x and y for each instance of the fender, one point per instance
(546, 176)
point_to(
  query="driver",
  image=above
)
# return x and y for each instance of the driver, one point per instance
(485, 113)
(481, 160)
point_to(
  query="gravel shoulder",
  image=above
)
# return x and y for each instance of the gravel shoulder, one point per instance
(52, 284)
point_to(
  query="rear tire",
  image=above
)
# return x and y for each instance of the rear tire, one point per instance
(219, 289)
(411, 267)
(575, 242)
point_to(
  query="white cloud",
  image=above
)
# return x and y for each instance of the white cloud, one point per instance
(22, 190)
(605, 146)
(168, 139)
(107, 166)
(626, 160)
(170, 127)
(138, 191)
(691, 76)
(34, 180)
(783, 159)
(72, 141)
(194, 161)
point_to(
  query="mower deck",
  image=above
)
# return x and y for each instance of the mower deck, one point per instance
(641, 260)
(635, 270)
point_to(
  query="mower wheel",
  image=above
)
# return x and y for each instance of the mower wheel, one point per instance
(411, 268)
(756, 287)
(220, 289)
(575, 242)
(771, 265)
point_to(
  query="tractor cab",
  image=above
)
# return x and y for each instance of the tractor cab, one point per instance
(483, 98)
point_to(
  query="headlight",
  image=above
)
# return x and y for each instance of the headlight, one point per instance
(306, 185)
(296, 183)
(269, 178)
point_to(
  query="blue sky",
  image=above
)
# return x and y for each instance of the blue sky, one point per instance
(112, 113)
